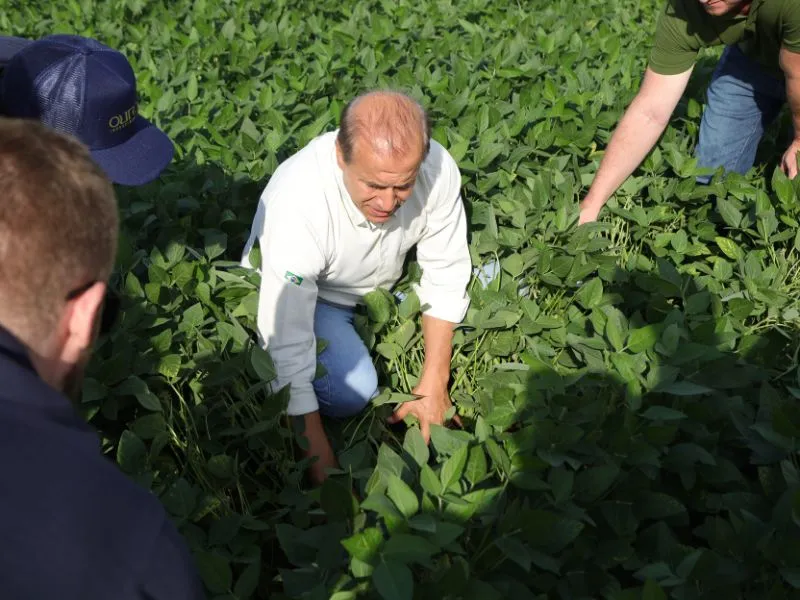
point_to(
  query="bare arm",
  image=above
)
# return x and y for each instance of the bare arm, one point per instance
(319, 447)
(790, 64)
(638, 131)
(437, 335)
(435, 402)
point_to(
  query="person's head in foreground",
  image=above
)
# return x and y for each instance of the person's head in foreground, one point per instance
(82, 87)
(718, 8)
(58, 241)
(383, 138)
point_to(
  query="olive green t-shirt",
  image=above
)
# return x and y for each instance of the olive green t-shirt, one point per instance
(684, 28)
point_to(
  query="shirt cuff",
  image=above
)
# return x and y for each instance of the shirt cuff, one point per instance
(302, 399)
(443, 304)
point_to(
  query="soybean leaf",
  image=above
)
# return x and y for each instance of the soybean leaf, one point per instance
(393, 581)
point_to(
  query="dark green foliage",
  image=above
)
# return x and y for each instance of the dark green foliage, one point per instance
(629, 389)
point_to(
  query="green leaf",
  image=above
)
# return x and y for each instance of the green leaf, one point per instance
(643, 338)
(657, 505)
(454, 467)
(393, 581)
(447, 441)
(653, 591)
(792, 576)
(191, 88)
(409, 307)
(379, 503)
(337, 500)
(685, 388)
(515, 550)
(416, 447)
(477, 467)
(616, 328)
(729, 213)
(229, 29)
(663, 413)
(247, 584)
(134, 386)
(215, 572)
(590, 294)
(430, 482)
(365, 544)
(729, 247)
(131, 452)
(378, 306)
(407, 548)
(215, 243)
(262, 364)
(403, 496)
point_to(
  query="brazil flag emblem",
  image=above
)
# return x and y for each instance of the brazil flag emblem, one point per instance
(292, 278)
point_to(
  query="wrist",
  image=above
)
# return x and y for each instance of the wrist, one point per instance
(434, 380)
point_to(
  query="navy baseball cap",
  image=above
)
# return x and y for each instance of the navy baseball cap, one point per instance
(82, 87)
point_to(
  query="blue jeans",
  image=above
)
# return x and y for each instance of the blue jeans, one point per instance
(351, 381)
(742, 100)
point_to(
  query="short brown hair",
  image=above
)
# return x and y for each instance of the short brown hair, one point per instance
(58, 225)
(399, 115)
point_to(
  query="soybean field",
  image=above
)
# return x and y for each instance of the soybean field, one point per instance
(628, 388)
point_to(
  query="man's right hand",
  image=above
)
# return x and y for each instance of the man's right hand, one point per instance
(319, 448)
(588, 214)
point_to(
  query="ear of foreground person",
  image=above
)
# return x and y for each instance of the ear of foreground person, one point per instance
(73, 525)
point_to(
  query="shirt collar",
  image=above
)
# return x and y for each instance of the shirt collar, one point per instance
(13, 349)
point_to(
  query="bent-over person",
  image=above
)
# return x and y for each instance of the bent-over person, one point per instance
(335, 222)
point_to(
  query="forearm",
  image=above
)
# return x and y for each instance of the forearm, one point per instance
(634, 137)
(438, 338)
(793, 100)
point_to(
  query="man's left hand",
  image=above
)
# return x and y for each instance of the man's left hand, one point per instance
(430, 409)
(789, 161)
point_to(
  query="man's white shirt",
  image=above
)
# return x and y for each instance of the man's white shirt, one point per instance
(315, 242)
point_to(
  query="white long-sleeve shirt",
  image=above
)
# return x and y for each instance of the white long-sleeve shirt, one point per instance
(316, 243)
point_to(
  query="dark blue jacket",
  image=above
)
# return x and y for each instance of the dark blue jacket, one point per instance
(72, 525)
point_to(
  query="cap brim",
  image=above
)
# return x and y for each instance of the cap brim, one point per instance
(140, 159)
(10, 45)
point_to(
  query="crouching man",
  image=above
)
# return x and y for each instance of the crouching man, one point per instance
(335, 222)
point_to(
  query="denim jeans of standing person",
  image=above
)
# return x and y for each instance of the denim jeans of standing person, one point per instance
(743, 99)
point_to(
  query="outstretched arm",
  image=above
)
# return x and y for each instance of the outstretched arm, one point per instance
(790, 64)
(638, 131)
(430, 409)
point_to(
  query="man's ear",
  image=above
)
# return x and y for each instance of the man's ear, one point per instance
(82, 322)
(339, 156)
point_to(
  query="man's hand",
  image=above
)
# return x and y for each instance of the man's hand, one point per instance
(435, 401)
(789, 161)
(429, 410)
(588, 214)
(319, 447)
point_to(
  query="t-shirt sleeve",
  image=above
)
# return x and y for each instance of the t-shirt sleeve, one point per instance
(790, 30)
(172, 573)
(674, 49)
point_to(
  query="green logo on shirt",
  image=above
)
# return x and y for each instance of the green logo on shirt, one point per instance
(295, 279)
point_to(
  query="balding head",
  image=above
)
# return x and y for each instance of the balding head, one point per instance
(383, 139)
(384, 122)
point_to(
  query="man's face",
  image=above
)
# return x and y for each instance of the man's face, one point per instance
(379, 182)
(718, 8)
